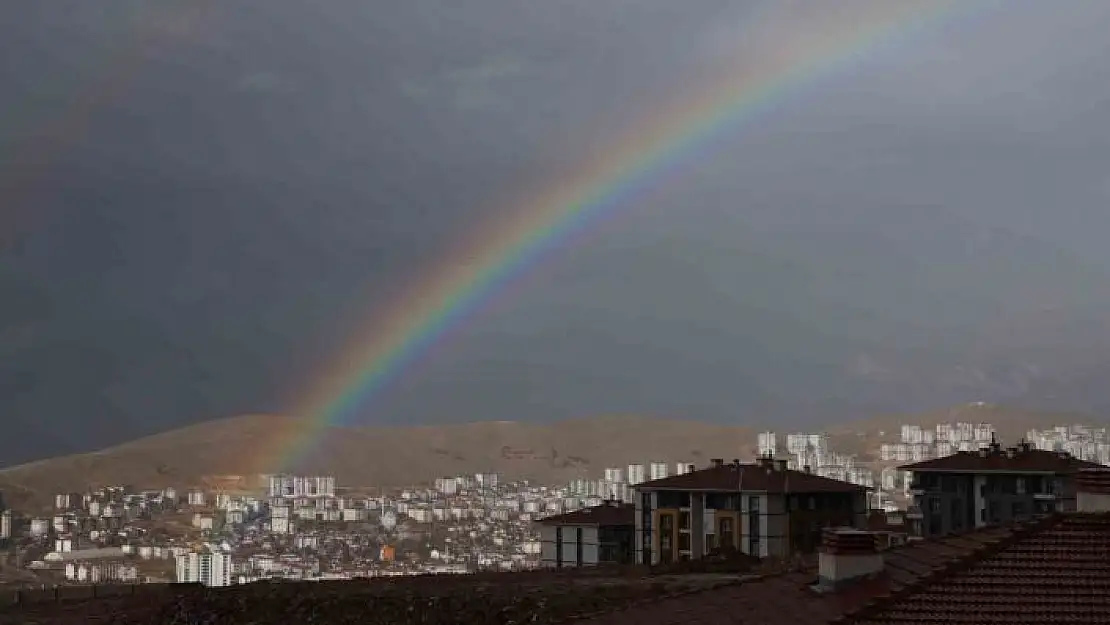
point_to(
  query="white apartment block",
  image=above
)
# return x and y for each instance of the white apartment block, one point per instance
(301, 486)
(613, 475)
(657, 470)
(636, 474)
(211, 567)
(767, 442)
(802, 443)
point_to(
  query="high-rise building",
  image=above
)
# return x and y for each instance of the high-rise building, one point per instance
(300, 486)
(5, 525)
(767, 443)
(657, 470)
(635, 474)
(210, 567)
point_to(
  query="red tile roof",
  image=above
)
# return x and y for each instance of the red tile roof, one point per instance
(997, 459)
(1015, 575)
(1055, 571)
(750, 477)
(605, 514)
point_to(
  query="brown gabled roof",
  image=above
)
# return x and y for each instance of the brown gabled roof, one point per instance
(788, 598)
(1055, 571)
(1022, 461)
(605, 514)
(750, 477)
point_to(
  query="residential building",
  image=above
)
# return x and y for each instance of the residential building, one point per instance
(5, 525)
(589, 537)
(210, 567)
(1055, 569)
(762, 509)
(990, 486)
(636, 474)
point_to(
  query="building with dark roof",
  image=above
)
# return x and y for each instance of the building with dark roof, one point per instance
(588, 537)
(762, 509)
(1050, 569)
(993, 485)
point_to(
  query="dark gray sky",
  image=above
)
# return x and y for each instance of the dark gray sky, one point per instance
(200, 205)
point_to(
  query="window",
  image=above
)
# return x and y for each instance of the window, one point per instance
(578, 546)
(726, 532)
(558, 547)
(1019, 485)
(666, 538)
(684, 520)
(1017, 509)
(753, 525)
(684, 541)
(934, 504)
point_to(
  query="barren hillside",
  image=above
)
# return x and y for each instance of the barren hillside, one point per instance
(399, 456)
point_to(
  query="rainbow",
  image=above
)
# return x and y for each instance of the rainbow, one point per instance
(479, 268)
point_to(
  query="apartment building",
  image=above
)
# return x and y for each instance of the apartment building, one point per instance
(588, 537)
(993, 485)
(762, 509)
(210, 567)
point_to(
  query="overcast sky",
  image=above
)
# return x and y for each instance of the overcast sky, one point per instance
(202, 202)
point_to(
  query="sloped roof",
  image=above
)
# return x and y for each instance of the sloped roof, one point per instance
(750, 477)
(605, 514)
(1056, 571)
(917, 580)
(997, 460)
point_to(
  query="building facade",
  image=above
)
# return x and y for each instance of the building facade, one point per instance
(588, 537)
(762, 509)
(211, 567)
(972, 489)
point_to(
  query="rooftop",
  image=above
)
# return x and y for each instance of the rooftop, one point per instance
(767, 475)
(609, 513)
(994, 458)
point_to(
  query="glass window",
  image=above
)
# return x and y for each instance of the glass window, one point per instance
(726, 532)
(684, 541)
(684, 520)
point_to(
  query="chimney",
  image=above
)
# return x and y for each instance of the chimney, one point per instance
(847, 555)
(1092, 488)
(716, 462)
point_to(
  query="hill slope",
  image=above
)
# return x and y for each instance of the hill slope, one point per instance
(399, 456)
(384, 456)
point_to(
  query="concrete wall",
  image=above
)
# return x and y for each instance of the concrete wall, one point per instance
(551, 545)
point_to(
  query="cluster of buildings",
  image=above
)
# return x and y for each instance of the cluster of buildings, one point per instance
(1081, 441)
(918, 443)
(776, 505)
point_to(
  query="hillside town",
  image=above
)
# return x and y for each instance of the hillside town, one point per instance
(312, 528)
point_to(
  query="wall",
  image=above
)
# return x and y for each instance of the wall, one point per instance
(550, 545)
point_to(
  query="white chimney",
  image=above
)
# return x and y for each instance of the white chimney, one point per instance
(1092, 490)
(847, 555)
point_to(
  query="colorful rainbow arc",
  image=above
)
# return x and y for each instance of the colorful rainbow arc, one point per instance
(471, 274)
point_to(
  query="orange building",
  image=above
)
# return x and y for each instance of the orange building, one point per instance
(387, 553)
